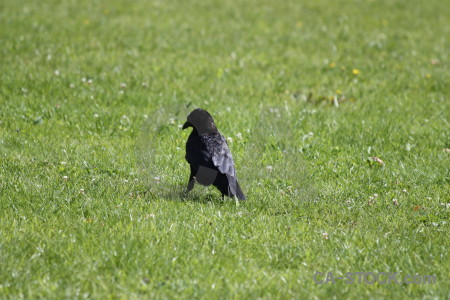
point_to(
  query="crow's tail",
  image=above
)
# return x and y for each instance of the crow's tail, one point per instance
(239, 194)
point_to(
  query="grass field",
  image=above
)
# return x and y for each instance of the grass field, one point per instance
(327, 103)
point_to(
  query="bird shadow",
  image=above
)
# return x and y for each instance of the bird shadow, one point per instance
(177, 193)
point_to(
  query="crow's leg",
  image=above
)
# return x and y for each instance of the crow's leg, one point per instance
(190, 185)
(191, 182)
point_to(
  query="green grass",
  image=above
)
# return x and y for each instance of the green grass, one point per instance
(316, 88)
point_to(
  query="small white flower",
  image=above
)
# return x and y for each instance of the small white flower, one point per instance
(171, 121)
(269, 168)
(65, 177)
(121, 92)
(239, 135)
(125, 180)
(395, 201)
(56, 72)
(81, 191)
(404, 191)
(375, 195)
(325, 235)
(307, 136)
(83, 79)
(89, 81)
(151, 216)
(180, 126)
(95, 115)
(123, 85)
(72, 85)
(157, 178)
(230, 139)
(63, 162)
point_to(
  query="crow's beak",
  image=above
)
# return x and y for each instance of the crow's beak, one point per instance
(186, 125)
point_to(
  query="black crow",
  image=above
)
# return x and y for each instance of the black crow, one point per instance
(208, 155)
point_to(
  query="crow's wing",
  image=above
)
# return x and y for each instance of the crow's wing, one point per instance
(221, 157)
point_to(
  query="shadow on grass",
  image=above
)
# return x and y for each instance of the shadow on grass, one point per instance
(172, 192)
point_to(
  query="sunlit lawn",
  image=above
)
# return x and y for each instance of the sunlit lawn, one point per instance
(337, 114)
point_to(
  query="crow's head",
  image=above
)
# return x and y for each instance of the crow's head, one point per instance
(202, 121)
